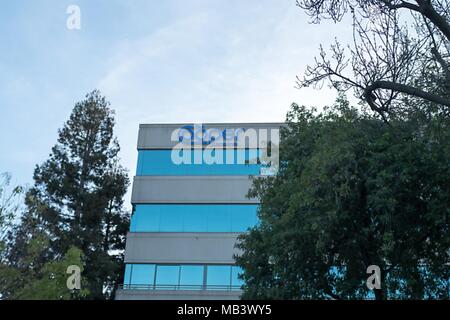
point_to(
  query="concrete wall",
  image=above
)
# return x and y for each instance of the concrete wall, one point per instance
(191, 189)
(206, 248)
(176, 295)
(158, 136)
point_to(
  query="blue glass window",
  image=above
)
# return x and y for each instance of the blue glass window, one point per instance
(193, 218)
(167, 277)
(219, 221)
(230, 162)
(241, 221)
(171, 221)
(235, 281)
(191, 277)
(127, 276)
(140, 274)
(182, 277)
(218, 276)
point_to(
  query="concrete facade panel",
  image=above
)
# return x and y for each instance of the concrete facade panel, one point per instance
(176, 295)
(158, 136)
(191, 189)
(181, 248)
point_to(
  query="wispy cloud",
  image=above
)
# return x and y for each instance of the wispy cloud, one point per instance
(171, 61)
(203, 68)
(194, 69)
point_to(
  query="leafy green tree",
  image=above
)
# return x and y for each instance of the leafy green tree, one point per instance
(45, 282)
(51, 283)
(26, 252)
(77, 201)
(352, 191)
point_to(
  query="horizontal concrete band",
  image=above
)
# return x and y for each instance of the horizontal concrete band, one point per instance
(176, 295)
(191, 189)
(183, 248)
(159, 136)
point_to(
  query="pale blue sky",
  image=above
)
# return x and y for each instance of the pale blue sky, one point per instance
(156, 61)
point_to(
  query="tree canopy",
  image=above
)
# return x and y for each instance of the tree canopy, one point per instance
(352, 191)
(76, 208)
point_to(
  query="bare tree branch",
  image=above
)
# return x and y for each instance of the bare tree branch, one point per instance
(368, 92)
(390, 59)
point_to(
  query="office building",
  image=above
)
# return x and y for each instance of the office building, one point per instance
(189, 210)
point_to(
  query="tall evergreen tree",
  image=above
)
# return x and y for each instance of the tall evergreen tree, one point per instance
(77, 197)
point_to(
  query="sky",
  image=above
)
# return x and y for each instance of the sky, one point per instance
(155, 61)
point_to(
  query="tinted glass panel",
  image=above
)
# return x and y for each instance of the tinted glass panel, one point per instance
(170, 221)
(218, 275)
(142, 274)
(181, 277)
(193, 218)
(167, 276)
(127, 276)
(192, 276)
(219, 221)
(198, 162)
(241, 221)
(146, 218)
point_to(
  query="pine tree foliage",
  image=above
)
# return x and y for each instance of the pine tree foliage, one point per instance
(76, 201)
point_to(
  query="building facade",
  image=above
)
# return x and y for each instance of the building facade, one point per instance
(189, 206)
